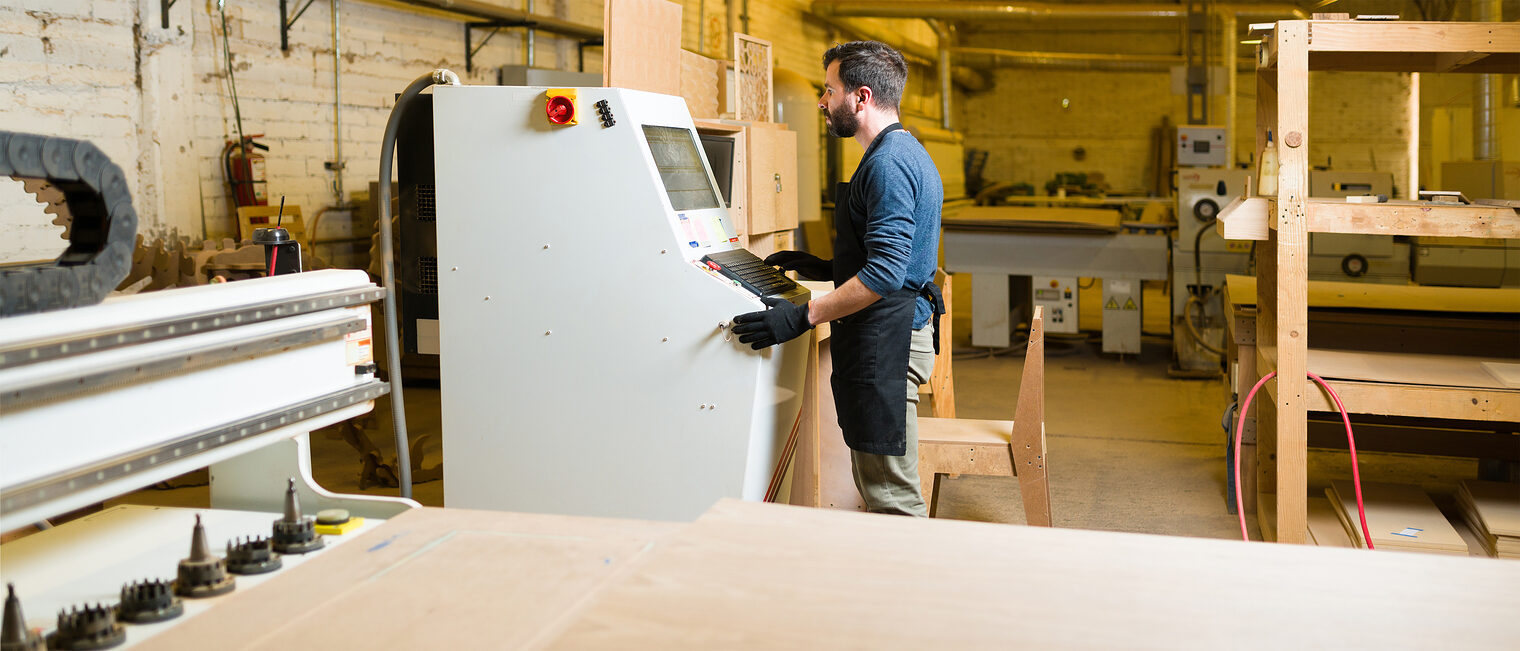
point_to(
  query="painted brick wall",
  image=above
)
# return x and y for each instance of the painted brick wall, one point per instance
(157, 101)
(1356, 119)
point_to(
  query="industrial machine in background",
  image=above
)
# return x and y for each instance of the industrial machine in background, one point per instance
(1466, 262)
(587, 274)
(1201, 259)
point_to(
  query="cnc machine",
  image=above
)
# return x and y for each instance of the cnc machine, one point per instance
(587, 275)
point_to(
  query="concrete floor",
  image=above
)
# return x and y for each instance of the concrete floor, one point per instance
(1129, 449)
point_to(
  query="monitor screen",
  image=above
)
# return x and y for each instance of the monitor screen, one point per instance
(675, 154)
(720, 158)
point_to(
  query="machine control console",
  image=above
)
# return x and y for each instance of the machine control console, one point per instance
(753, 274)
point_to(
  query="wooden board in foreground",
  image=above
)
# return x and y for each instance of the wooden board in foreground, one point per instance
(749, 575)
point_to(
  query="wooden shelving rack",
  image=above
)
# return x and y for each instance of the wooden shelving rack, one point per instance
(1284, 60)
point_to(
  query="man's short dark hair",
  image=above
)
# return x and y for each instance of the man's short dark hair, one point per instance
(872, 64)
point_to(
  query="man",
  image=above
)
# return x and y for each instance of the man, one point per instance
(887, 222)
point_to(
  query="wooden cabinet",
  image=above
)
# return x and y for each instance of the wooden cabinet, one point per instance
(763, 195)
(771, 178)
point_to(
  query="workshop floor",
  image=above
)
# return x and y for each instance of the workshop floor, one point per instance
(1129, 449)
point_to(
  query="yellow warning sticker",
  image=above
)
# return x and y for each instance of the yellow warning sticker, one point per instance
(1112, 304)
(1129, 304)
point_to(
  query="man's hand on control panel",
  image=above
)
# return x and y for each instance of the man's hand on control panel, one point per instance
(782, 322)
(807, 265)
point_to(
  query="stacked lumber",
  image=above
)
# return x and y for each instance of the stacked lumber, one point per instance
(1492, 509)
(1399, 518)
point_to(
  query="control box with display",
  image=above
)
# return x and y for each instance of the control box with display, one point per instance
(1059, 297)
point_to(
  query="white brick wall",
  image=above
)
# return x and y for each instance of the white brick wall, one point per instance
(156, 101)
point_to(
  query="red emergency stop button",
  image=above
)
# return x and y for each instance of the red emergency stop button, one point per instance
(560, 109)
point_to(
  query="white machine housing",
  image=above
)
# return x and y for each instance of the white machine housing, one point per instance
(587, 363)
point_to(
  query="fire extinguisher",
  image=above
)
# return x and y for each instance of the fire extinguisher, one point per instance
(245, 171)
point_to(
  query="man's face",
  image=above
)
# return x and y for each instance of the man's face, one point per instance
(837, 105)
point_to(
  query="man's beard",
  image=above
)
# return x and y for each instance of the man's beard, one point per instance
(842, 122)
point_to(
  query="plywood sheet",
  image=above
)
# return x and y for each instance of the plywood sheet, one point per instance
(1498, 503)
(1327, 293)
(1324, 527)
(1403, 368)
(501, 580)
(1399, 516)
(642, 45)
(1507, 373)
(1051, 218)
(766, 576)
(699, 85)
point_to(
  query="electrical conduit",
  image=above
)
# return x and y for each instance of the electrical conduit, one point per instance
(388, 264)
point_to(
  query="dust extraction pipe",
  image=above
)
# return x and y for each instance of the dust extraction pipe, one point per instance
(996, 58)
(1485, 110)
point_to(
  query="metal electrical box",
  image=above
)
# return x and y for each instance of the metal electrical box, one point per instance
(1201, 147)
(1121, 316)
(1059, 297)
(588, 273)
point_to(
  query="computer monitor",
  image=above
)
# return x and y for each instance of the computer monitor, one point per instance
(720, 157)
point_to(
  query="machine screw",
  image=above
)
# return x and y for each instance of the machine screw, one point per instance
(548, 332)
(546, 247)
(453, 268)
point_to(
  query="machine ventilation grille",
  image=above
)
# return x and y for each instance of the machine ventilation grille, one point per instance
(427, 282)
(427, 205)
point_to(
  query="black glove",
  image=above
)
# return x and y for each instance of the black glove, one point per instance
(807, 265)
(783, 322)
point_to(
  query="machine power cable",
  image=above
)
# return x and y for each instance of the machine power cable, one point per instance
(1187, 315)
(388, 264)
(101, 237)
(1356, 475)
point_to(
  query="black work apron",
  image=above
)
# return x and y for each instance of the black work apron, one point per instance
(870, 347)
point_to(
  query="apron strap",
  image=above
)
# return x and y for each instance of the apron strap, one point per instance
(937, 306)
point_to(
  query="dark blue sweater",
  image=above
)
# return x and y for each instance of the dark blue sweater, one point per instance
(903, 195)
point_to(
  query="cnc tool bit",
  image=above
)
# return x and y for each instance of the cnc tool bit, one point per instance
(295, 533)
(202, 574)
(253, 555)
(14, 635)
(91, 627)
(148, 601)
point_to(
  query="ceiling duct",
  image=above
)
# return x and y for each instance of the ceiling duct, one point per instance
(983, 10)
